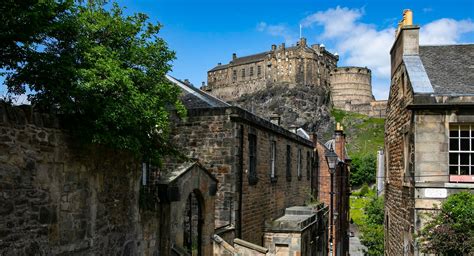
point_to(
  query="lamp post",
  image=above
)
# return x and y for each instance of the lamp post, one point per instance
(331, 159)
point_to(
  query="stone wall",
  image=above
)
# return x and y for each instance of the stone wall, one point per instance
(219, 139)
(59, 199)
(298, 65)
(399, 201)
(351, 84)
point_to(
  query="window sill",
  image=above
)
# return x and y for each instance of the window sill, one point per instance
(461, 178)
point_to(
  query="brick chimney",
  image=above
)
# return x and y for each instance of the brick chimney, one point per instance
(340, 141)
(406, 40)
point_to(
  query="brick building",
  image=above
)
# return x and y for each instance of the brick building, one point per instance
(341, 190)
(262, 168)
(428, 133)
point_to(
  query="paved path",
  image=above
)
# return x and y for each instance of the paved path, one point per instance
(355, 247)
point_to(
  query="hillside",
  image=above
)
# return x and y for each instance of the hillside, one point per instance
(364, 134)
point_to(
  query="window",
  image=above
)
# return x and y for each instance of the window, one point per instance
(251, 71)
(259, 70)
(288, 162)
(234, 75)
(461, 152)
(273, 160)
(243, 72)
(253, 179)
(299, 164)
(308, 165)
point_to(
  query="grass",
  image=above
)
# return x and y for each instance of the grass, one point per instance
(365, 135)
(357, 204)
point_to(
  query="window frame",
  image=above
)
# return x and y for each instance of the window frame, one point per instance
(288, 163)
(252, 155)
(458, 151)
(299, 163)
(273, 153)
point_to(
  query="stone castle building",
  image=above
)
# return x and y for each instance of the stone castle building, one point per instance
(295, 66)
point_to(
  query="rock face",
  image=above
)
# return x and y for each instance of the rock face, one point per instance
(301, 106)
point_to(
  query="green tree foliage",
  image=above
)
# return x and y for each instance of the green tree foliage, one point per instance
(372, 229)
(451, 230)
(103, 70)
(363, 170)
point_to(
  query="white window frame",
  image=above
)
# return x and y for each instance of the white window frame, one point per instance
(468, 130)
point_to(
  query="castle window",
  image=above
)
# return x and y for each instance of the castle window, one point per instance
(234, 75)
(461, 153)
(252, 154)
(243, 72)
(259, 70)
(288, 162)
(251, 71)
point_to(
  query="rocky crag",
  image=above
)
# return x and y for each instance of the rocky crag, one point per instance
(307, 107)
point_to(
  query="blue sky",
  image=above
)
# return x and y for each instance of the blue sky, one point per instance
(203, 33)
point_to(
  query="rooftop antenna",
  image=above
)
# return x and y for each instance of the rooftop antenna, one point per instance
(300, 31)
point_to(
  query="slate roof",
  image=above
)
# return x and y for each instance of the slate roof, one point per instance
(450, 68)
(194, 98)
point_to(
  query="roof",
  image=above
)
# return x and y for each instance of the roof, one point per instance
(175, 170)
(450, 68)
(259, 57)
(193, 97)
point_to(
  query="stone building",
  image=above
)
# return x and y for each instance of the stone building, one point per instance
(351, 90)
(299, 65)
(262, 168)
(428, 133)
(58, 198)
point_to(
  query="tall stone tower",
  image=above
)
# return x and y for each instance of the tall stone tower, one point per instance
(351, 86)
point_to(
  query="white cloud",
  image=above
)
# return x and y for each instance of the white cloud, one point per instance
(279, 30)
(445, 31)
(362, 44)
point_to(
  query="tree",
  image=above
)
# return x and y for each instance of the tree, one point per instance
(451, 230)
(102, 70)
(363, 170)
(373, 230)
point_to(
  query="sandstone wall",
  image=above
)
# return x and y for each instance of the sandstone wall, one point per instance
(351, 85)
(59, 199)
(214, 136)
(399, 192)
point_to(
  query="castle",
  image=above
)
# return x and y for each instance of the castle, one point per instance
(299, 65)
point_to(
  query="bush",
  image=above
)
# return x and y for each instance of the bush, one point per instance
(372, 229)
(363, 170)
(451, 230)
(364, 190)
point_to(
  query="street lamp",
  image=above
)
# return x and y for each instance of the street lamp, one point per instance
(331, 159)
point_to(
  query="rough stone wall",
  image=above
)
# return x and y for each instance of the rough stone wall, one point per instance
(57, 199)
(399, 194)
(268, 199)
(213, 136)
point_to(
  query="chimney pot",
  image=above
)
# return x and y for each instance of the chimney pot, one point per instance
(234, 56)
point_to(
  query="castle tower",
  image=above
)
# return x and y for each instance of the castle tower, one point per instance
(351, 86)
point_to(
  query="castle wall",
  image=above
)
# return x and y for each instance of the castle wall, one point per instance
(352, 85)
(294, 66)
